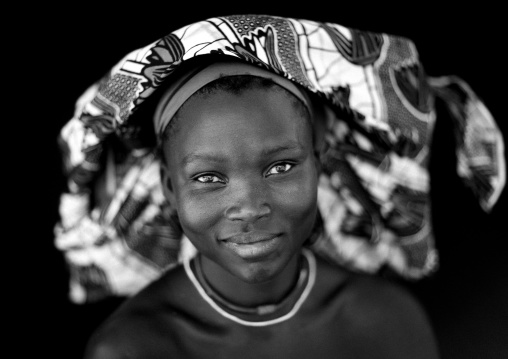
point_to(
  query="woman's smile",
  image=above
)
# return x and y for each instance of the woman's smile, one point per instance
(253, 245)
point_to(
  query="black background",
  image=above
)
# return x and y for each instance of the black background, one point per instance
(54, 53)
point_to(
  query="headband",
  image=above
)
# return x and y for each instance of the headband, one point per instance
(184, 86)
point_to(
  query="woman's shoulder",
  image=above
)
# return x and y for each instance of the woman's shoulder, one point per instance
(362, 288)
(138, 321)
(118, 337)
(383, 313)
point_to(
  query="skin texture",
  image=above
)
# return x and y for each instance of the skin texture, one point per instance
(241, 168)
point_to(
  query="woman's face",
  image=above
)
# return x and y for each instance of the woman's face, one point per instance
(244, 179)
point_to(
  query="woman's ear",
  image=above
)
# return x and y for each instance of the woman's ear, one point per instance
(167, 186)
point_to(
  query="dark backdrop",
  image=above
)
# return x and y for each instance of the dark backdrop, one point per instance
(60, 50)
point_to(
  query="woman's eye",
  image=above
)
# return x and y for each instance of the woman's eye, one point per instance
(279, 168)
(209, 179)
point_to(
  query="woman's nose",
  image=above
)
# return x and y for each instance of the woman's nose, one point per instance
(248, 201)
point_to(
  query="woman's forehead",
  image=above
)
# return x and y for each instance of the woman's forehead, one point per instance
(254, 120)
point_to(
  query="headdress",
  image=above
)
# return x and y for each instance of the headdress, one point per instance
(373, 195)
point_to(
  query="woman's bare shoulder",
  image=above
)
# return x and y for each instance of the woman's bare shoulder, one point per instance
(385, 313)
(137, 323)
(365, 289)
(113, 341)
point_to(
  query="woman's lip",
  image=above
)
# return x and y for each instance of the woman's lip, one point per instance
(249, 238)
(252, 246)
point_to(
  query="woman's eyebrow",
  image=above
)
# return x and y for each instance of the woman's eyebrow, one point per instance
(209, 157)
(206, 157)
(288, 146)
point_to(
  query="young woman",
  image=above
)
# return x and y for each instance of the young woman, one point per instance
(240, 167)
(311, 144)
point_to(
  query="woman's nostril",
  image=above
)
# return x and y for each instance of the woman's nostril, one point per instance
(247, 212)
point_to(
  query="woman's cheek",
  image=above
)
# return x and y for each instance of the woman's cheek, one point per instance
(301, 205)
(298, 198)
(197, 214)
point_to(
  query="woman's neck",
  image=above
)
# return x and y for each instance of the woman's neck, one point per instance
(246, 294)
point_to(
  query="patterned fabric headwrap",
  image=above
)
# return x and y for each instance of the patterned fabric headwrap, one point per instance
(118, 232)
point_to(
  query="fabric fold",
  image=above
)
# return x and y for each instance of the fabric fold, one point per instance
(373, 195)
